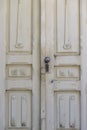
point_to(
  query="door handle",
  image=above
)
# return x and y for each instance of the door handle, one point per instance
(47, 60)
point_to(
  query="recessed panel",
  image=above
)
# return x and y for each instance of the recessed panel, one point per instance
(62, 111)
(19, 71)
(19, 109)
(67, 72)
(67, 110)
(68, 27)
(19, 30)
(13, 109)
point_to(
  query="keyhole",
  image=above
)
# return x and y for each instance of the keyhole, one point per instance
(47, 67)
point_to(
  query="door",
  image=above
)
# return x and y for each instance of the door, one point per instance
(20, 66)
(61, 40)
(63, 37)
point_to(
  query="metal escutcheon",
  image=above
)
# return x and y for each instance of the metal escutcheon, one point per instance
(47, 60)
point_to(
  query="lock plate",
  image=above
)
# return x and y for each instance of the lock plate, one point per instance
(47, 60)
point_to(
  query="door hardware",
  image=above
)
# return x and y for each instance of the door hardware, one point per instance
(47, 60)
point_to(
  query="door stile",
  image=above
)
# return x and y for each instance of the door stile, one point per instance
(50, 38)
(36, 65)
(2, 63)
(43, 55)
(84, 65)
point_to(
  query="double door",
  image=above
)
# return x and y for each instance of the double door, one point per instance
(43, 65)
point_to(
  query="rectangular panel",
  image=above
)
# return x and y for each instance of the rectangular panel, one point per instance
(23, 111)
(62, 111)
(19, 71)
(19, 38)
(67, 110)
(67, 72)
(13, 109)
(68, 27)
(72, 111)
(19, 109)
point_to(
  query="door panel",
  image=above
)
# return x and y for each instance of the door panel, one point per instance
(19, 39)
(67, 110)
(68, 22)
(19, 109)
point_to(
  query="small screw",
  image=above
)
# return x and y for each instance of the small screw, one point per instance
(52, 81)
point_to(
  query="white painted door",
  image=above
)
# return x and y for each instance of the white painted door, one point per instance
(63, 37)
(20, 65)
(64, 87)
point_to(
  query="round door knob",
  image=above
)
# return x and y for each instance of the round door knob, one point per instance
(47, 59)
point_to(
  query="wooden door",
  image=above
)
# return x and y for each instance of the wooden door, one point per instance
(63, 37)
(63, 40)
(20, 65)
